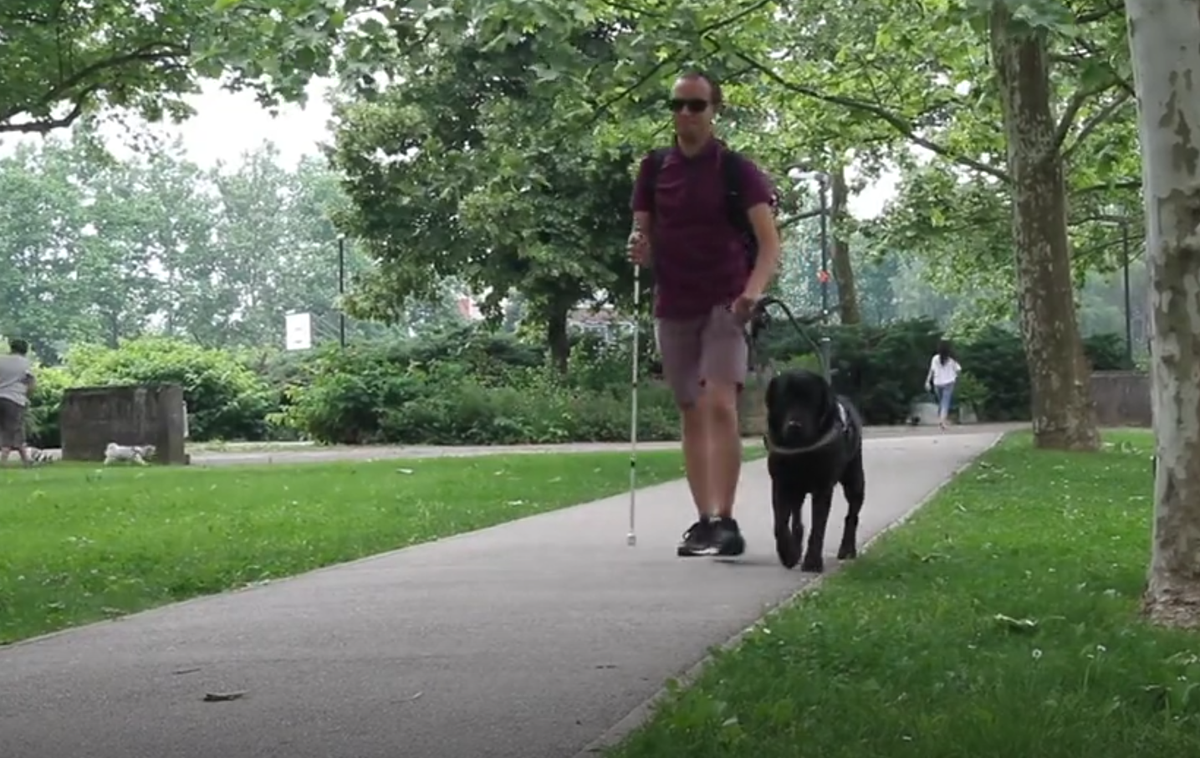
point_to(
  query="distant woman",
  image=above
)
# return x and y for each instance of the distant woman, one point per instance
(943, 373)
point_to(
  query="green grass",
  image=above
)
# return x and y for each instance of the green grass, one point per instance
(80, 543)
(1002, 622)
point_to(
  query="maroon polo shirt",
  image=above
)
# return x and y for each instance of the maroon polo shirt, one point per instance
(700, 259)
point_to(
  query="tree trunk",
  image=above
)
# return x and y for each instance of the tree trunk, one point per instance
(557, 338)
(843, 271)
(1165, 43)
(1063, 415)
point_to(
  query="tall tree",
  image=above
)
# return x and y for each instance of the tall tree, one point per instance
(1166, 54)
(66, 59)
(41, 218)
(1059, 373)
(912, 82)
(474, 169)
(849, 311)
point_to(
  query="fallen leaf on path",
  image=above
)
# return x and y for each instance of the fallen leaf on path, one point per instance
(223, 697)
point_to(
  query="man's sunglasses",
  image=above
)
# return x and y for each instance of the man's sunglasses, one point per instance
(692, 104)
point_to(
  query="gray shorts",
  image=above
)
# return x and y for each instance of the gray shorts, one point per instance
(695, 351)
(12, 424)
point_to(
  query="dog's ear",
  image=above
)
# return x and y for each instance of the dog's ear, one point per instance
(772, 395)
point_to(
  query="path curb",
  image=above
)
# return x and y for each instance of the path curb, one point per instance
(643, 713)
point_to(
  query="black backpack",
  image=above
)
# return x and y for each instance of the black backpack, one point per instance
(731, 168)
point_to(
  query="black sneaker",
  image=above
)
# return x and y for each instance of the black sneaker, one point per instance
(698, 539)
(727, 537)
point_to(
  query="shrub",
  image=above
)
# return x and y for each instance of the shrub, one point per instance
(372, 395)
(44, 402)
(882, 368)
(225, 399)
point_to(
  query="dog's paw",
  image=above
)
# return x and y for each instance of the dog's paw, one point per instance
(813, 564)
(787, 549)
(847, 553)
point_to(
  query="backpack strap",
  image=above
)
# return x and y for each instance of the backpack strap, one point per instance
(657, 158)
(731, 168)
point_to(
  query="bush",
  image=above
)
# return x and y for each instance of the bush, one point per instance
(42, 418)
(472, 386)
(381, 395)
(225, 398)
(882, 368)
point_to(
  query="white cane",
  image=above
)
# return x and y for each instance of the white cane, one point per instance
(631, 538)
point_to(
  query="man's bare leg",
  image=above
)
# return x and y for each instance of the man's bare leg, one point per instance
(697, 457)
(725, 445)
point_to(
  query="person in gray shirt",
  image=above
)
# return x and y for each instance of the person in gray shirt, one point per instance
(16, 382)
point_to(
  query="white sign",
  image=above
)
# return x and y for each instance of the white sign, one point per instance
(299, 331)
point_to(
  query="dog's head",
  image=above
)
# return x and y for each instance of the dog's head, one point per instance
(801, 407)
(147, 451)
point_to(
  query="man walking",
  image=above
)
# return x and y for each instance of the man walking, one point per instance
(16, 382)
(706, 287)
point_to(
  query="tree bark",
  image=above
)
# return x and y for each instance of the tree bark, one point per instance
(843, 271)
(1164, 40)
(1063, 414)
(557, 337)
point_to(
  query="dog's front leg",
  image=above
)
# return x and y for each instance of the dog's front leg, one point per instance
(787, 547)
(814, 560)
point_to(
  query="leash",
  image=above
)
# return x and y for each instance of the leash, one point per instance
(760, 319)
(834, 432)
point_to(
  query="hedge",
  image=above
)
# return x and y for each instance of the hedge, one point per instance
(883, 368)
(473, 386)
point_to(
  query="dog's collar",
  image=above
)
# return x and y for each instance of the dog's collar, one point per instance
(834, 432)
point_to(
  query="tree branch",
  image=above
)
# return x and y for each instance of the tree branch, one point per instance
(1097, 120)
(47, 125)
(1097, 53)
(897, 122)
(603, 107)
(1124, 184)
(1074, 105)
(631, 9)
(793, 220)
(1100, 14)
(751, 9)
(147, 54)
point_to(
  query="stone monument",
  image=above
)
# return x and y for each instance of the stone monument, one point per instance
(144, 414)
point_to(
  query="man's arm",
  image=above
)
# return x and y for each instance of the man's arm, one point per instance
(758, 195)
(641, 204)
(762, 220)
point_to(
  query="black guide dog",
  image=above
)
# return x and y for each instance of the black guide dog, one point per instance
(814, 443)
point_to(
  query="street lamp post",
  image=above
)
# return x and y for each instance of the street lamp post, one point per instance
(341, 289)
(823, 214)
(823, 180)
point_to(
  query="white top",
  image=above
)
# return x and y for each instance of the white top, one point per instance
(13, 372)
(942, 374)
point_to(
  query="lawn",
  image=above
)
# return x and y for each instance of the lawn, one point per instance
(1002, 621)
(81, 543)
